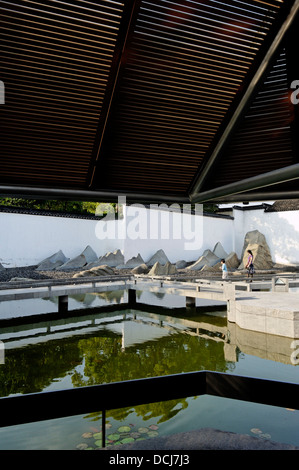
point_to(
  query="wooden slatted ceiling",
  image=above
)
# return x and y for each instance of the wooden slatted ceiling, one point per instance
(55, 63)
(264, 140)
(185, 62)
(184, 66)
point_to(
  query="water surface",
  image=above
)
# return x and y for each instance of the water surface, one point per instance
(102, 347)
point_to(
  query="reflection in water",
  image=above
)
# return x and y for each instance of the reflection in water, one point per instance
(120, 347)
(98, 348)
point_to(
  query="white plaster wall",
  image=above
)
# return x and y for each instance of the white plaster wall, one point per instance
(182, 236)
(281, 230)
(178, 234)
(28, 239)
(218, 230)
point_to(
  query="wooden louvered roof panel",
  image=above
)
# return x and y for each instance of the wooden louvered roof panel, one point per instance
(185, 63)
(263, 142)
(131, 96)
(55, 63)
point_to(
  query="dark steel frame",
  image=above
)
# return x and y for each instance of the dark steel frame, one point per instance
(59, 404)
(131, 8)
(289, 13)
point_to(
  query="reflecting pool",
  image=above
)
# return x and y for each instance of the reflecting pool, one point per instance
(98, 346)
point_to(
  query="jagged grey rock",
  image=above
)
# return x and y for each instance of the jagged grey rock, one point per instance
(211, 257)
(159, 257)
(181, 264)
(162, 270)
(208, 258)
(102, 270)
(87, 256)
(94, 264)
(52, 262)
(256, 242)
(231, 260)
(199, 264)
(141, 269)
(132, 263)
(219, 251)
(74, 263)
(112, 259)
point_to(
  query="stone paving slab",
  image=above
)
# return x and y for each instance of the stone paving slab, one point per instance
(285, 301)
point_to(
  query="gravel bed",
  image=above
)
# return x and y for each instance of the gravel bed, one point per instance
(30, 272)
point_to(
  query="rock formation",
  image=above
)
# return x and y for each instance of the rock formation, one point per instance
(231, 260)
(208, 258)
(162, 270)
(52, 262)
(87, 256)
(181, 264)
(95, 271)
(112, 259)
(141, 269)
(132, 263)
(256, 242)
(219, 251)
(211, 260)
(159, 257)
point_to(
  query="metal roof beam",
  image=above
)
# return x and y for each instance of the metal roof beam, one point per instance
(87, 195)
(282, 175)
(131, 8)
(284, 26)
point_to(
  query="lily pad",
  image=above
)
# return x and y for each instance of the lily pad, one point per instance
(97, 435)
(265, 435)
(124, 429)
(143, 430)
(94, 429)
(135, 435)
(98, 443)
(114, 443)
(256, 431)
(154, 427)
(152, 434)
(113, 437)
(82, 446)
(127, 440)
(87, 435)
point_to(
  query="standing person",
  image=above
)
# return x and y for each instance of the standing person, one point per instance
(249, 264)
(224, 269)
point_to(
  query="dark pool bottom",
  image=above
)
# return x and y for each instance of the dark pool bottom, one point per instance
(204, 439)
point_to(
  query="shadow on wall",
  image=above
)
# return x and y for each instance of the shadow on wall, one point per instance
(282, 234)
